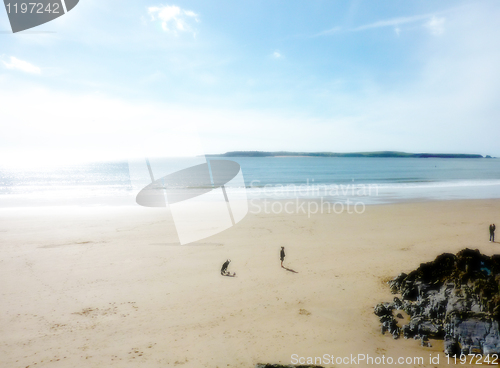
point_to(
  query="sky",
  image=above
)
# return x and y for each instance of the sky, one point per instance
(113, 79)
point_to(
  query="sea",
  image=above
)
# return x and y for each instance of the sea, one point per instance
(334, 179)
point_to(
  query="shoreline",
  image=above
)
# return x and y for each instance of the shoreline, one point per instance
(129, 201)
(110, 286)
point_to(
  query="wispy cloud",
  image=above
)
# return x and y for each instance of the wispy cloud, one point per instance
(393, 22)
(328, 32)
(24, 66)
(277, 55)
(174, 19)
(435, 26)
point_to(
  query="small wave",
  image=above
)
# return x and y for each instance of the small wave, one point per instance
(439, 184)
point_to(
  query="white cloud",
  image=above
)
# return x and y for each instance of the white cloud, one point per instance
(173, 18)
(328, 32)
(190, 13)
(277, 55)
(21, 65)
(56, 128)
(435, 26)
(392, 22)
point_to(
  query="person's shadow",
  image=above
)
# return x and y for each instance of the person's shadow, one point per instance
(289, 269)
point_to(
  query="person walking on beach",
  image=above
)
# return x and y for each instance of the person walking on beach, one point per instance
(492, 233)
(282, 255)
(223, 270)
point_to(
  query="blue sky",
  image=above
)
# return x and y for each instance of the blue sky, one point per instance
(113, 79)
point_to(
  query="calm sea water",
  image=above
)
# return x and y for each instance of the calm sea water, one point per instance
(372, 180)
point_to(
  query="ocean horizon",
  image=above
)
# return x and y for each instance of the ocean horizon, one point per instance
(334, 179)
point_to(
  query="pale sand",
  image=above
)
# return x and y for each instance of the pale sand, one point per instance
(109, 287)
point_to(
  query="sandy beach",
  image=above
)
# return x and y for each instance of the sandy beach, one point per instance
(111, 287)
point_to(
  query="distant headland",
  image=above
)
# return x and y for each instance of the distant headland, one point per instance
(351, 154)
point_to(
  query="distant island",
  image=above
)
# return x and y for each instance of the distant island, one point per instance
(352, 154)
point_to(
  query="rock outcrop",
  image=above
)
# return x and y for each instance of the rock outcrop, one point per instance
(454, 297)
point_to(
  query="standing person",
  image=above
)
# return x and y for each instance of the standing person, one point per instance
(223, 270)
(492, 233)
(282, 255)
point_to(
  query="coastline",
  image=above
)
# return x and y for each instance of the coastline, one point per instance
(109, 286)
(378, 154)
